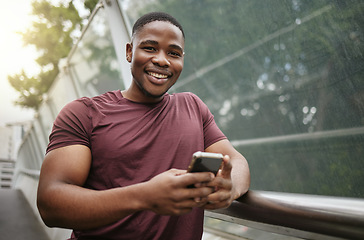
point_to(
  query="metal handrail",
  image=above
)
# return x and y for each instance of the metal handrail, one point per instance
(34, 173)
(299, 215)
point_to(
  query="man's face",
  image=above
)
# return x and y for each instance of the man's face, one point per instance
(156, 57)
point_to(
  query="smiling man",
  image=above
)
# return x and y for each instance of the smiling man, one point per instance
(116, 164)
(156, 55)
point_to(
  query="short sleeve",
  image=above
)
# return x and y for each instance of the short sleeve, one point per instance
(72, 126)
(212, 132)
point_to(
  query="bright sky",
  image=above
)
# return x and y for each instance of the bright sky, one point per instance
(14, 17)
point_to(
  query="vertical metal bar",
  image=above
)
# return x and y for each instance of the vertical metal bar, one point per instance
(120, 36)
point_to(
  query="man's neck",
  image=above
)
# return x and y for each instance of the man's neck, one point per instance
(136, 95)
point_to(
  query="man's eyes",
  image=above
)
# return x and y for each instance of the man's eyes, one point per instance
(175, 54)
(149, 48)
(172, 53)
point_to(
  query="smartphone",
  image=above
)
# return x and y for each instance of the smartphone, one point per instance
(205, 162)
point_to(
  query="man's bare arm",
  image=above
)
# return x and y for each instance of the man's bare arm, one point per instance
(63, 202)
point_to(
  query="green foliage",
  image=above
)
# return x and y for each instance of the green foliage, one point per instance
(90, 4)
(51, 34)
(30, 89)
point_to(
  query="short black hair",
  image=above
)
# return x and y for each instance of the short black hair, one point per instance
(156, 16)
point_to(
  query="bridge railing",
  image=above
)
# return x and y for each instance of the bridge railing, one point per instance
(297, 215)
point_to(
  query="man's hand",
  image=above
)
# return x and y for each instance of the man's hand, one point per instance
(222, 197)
(168, 192)
(232, 181)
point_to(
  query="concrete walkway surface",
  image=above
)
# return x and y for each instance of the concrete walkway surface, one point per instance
(17, 219)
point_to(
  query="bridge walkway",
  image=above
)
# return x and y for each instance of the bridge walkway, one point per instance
(17, 219)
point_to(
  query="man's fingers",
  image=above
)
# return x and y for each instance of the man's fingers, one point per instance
(226, 169)
(177, 172)
(220, 183)
(219, 196)
(195, 178)
(220, 199)
(196, 194)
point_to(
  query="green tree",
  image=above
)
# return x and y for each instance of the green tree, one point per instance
(51, 33)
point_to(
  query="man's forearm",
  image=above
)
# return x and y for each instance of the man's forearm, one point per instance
(240, 176)
(70, 206)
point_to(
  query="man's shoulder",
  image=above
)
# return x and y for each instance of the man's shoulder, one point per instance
(189, 99)
(84, 103)
(111, 96)
(185, 95)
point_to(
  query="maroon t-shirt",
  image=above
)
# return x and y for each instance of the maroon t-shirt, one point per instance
(131, 143)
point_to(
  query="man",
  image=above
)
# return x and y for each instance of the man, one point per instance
(116, 164)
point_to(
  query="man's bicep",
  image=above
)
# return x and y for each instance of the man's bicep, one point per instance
(70, 164)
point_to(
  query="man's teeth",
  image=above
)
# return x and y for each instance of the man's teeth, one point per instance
(157, 75)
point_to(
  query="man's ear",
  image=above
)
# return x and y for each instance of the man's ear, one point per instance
(129, 52)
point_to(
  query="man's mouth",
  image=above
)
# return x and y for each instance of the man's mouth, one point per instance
(158, 75)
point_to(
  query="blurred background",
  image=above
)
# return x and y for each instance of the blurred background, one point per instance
(283, 78)
(15, 17)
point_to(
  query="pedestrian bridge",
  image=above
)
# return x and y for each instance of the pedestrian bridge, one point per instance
(284, 81)
(17, 219)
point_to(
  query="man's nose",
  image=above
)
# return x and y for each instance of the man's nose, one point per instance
(161, 59)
